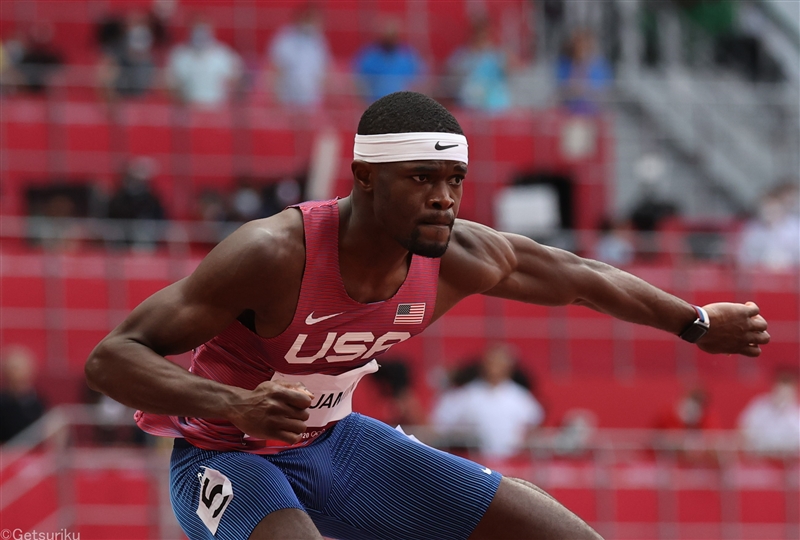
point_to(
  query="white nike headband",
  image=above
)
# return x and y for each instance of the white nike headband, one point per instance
(393, 147)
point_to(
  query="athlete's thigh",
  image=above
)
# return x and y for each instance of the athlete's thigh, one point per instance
(522, 511)
(225, 495)
(389, 486)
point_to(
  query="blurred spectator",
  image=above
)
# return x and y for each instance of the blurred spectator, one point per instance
(32, 58)
(52, 207)
(772, 240)
(246, 203)
(494, 409)
(20, 405)
(652, 206)
(5, 67)
(690, 412)
(300, 56)
(278, 195)
(203, 71)
(211, 207)
(681, 428)
(388, 395)
(583, 74)
(575, 432)
(771, 422)
(126, 68)
(387, 65)
(479, 71)
(614, 246)
(113, 421)
(138, 204)
(111, 30)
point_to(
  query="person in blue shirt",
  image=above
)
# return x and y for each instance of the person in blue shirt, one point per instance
(479, 72)
(583, 75)
(387, 65)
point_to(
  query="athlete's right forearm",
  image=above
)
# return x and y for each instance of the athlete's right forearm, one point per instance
(134, 375)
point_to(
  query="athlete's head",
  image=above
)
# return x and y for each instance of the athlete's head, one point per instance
(410, 159)
(407, 112)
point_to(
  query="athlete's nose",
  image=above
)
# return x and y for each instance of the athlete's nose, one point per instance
(441, 196)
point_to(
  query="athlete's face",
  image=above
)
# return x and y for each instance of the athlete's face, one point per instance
(417, 202)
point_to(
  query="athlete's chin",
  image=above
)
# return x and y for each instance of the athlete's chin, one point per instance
(432, 250)
(428, 241)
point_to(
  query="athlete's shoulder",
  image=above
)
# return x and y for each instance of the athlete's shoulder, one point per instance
(478, 256)
(260, 249)
(274, 237)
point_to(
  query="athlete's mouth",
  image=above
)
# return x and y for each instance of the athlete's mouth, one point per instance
(443, 221)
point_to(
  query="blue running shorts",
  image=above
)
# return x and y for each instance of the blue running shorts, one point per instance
(360, 480)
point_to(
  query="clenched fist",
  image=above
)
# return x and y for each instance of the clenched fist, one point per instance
(273, 410)
(735, 329)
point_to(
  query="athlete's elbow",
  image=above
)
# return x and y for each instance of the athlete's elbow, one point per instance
(96, 370)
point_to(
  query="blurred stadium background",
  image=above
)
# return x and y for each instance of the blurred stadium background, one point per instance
(668, 166)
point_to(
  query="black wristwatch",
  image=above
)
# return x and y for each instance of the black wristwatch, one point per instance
(698, 328)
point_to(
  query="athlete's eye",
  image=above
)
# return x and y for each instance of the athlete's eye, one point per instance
(420, 178)
(456, 180)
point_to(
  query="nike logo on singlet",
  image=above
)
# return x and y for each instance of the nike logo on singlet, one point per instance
(311, 320)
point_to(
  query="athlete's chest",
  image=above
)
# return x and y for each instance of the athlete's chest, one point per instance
(336, 337)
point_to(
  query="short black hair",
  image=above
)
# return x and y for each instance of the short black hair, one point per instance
(407, 112)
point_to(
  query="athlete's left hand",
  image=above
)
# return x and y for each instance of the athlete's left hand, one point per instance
(734, 329)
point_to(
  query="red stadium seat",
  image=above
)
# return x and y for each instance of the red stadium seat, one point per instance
(80, 343)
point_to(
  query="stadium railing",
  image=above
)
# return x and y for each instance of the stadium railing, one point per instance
(626, 483)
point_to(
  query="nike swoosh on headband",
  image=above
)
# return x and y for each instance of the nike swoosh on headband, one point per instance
(438, 146)
(413, 146)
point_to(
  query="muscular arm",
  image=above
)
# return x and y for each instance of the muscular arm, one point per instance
(129, 364)
(514, 267)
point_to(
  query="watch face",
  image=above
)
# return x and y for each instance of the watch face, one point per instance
(694, 332)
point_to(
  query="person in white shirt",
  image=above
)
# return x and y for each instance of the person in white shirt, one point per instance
(494, 409)
(771, 422)
(300, 58)
(203, 71)
(772, 241)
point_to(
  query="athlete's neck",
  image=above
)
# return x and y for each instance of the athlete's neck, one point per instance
(373, 266)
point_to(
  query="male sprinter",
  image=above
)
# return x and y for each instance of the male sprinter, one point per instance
(288, 313)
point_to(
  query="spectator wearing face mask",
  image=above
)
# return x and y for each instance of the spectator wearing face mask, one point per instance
(771, 240)
(203, 71)
(770, 423)
(300, 58)
(681, 427)
(690, 412)
(136, 206)
(127, 68)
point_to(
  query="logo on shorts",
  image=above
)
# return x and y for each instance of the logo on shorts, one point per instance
(216, 493)
(487, 470)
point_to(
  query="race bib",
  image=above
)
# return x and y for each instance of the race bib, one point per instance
(333, 394)
(216, 493)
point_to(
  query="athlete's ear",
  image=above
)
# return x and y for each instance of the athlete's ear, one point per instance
(363, 174)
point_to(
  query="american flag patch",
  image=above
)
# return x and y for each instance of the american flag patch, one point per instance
(410, 313)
